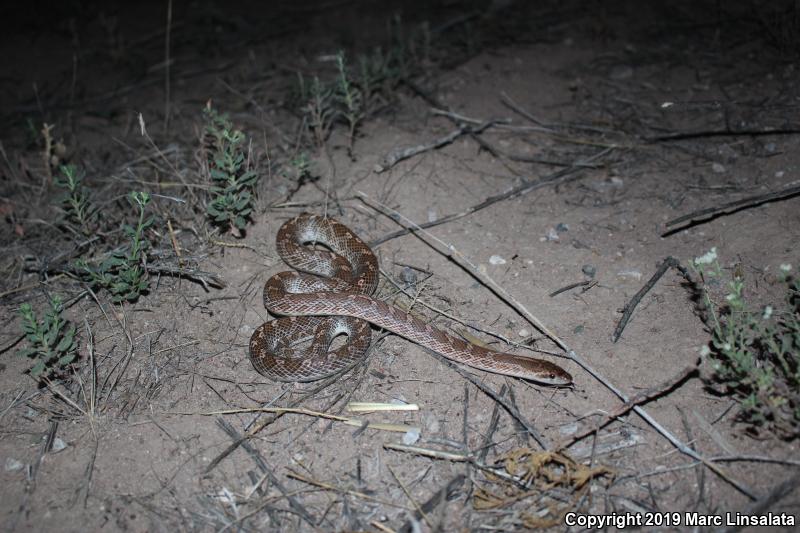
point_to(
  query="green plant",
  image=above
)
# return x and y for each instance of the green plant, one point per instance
(123, 272)
(318, 108)
(76, 204)
(755, 353)
(298, 168)
(350, 100)
(233, 183)
(51, 342)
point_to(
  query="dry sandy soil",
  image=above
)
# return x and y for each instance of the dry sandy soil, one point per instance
(636, 115)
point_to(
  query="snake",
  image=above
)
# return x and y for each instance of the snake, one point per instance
(330, 294)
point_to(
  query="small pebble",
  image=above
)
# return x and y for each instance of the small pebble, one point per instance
(770, 147)
(410, 437)
(578, 329)
(58, 445)
(524, 333)
(497, 260)
(635, 274)
(561, 227)
(779, 174)
(718, 168)
(432, 215)
(408, 275)
(589, 270)
(552, 235)
(12, 465)
(569, 429)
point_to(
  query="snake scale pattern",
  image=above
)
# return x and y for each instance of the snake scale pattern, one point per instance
(332, 295)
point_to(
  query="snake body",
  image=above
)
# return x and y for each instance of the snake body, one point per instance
(332, 295)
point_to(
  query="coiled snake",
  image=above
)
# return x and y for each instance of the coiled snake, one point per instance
(331, 295)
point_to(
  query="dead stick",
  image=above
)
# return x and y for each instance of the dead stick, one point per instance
(267, 469)
(630, 306)
(684, 135)
(638, 399)
(441, 495)
(512, 410)
(487, 439)
(774, 496)
(555, 178)
(744, 203)
(400, 154)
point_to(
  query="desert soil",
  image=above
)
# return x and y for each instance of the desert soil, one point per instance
(609, 91)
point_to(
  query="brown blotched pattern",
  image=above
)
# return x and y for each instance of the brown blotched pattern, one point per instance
(349, 275)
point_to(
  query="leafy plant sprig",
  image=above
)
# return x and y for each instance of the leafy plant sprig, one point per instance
(123, 272)
(233, 183)
(756, 354)
(51, 341)
(350, 100)
(319, 108)
(76, 204)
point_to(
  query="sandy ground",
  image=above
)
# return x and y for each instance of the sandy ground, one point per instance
(149, 455)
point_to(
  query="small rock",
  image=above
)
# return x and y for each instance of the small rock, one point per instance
(589, 270)
(770, 147)
(718, 168)
(779, 174)
(578, 329)
(552, 235)
(635, 274)
(58, 445)
(410, 437)
(569, 429)
(12, 465)
(497, 260)
(562, 228)
(432, 215)
(408, 275)
(524, 333)
(616, 181)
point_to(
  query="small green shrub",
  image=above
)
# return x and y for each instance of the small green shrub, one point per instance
(318, 107)
(350, 98)
(123, 272)
(233, 184)
(51, 342)
(756, 354)
(76, 203)
(298, 168)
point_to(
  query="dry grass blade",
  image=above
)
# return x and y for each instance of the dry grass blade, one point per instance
(400, 428)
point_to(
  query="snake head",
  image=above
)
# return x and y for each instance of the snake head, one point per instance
(536, 370)
(550, 374)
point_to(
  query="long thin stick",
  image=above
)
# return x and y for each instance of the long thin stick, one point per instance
(551, 179)
(752, 201)
(631, 305)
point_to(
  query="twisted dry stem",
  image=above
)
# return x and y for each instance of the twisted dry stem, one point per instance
(333, 297)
